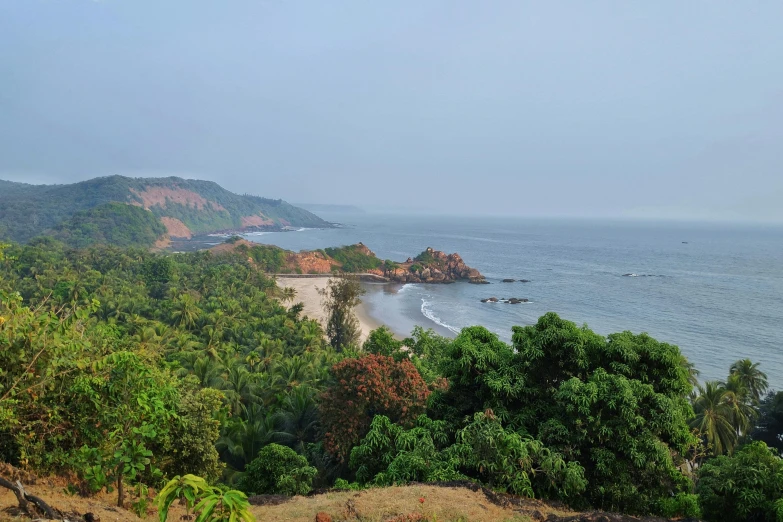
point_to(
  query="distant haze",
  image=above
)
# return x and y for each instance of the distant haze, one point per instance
(662, 109)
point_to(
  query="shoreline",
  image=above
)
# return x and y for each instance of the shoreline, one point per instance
(307, 294)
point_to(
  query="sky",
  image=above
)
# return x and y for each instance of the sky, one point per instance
(630, 109)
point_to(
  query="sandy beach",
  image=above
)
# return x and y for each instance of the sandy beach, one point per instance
(307, 293)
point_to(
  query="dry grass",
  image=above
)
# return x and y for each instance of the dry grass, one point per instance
(440, 504)
(379, 505)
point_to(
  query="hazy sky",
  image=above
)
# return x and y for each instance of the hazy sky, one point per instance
(578, 108)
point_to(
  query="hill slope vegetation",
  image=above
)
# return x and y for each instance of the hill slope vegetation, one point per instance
(185, 206)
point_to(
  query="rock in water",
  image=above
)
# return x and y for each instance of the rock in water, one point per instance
(509, 280)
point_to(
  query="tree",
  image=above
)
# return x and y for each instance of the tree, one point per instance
(278, 470)
(339, 298)
(617, 405)
(381, 341)
(365, 387)
(507, 460)
(753, 379)
(194, 432)
(769, 428)
(390, 454)
(745, 486)
(714, 413)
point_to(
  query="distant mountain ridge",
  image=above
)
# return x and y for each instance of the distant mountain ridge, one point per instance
(185, 207)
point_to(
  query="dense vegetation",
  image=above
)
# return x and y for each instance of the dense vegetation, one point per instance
(27, 211)
(111, 224)
(186, 366)
(353, 258)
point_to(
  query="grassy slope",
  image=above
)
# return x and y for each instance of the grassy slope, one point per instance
(29, 210)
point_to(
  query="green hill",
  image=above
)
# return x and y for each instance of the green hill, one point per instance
(186, 207)
(111, 224)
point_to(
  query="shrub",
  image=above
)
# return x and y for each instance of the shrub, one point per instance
(681, 505)
(745, 486)
(278, 470)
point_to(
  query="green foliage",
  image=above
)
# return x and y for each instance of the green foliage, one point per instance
(343, 485)
(713, 408)
(149, 353)
(615, 405)
(391, 454)
(278, 470)
(209, 503)
(769, 428)
(117, 224)
(268, 258)
(354, 258)
(224, 506)
(745, 486)
(188, 488)
(682, 505)
(194, 432)
(381, 341)
(340, 297)
(512, 462)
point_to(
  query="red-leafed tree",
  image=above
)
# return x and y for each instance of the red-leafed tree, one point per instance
(365, 387)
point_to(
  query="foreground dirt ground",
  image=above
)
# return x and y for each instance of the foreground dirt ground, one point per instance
(414, 503)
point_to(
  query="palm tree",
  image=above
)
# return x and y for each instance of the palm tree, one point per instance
(739, 401)
(693, 373)
(299, 418)
(714, 413)
(751, 377)
(244, 436)
(185, 311)
(287, 294)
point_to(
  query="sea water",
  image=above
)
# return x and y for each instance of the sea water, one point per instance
(714, 290)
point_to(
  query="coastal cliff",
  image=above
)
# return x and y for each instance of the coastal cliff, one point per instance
(431, 266)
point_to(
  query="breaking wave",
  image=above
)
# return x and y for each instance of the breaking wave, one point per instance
(426, 310)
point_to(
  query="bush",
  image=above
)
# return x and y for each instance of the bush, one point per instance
(278, 470)
(745, 486)
(681, 505)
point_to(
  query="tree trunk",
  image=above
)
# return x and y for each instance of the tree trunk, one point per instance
(25, 500)
(120, 491)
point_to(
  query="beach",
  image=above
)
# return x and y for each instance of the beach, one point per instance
(307, 294)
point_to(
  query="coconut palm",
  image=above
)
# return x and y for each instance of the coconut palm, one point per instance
(185, 311)
(299, 418)
(713, 408)
(751, 377)
(738, 398)
(244, 436)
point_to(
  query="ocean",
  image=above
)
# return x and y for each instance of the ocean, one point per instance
(714, 290)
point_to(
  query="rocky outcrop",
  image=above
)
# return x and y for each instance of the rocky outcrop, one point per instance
(434, 266)
(510, 300)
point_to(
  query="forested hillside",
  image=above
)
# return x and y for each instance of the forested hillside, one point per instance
(111, 224)
(186, 207)
(123, 370)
